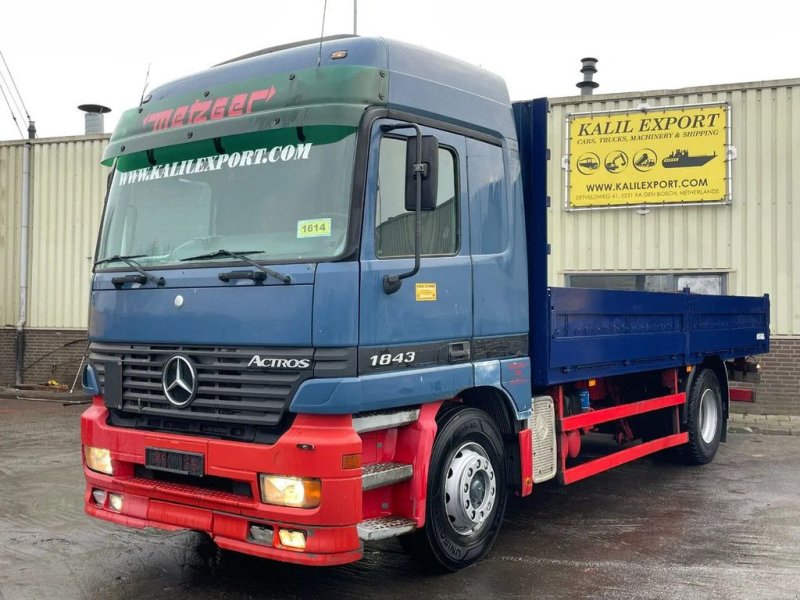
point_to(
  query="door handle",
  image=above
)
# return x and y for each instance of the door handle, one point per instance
(457, 351)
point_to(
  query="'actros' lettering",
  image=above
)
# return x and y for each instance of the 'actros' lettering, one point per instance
(279, 363)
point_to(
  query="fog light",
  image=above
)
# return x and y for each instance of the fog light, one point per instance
(262, 534)
(301, 492)
(115, 502)
(98, 459)
(99, 497)
(292, 538)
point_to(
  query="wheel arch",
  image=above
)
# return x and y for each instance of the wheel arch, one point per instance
(500, 407)
(463, 425)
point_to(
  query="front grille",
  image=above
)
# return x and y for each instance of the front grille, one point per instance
(233, 400)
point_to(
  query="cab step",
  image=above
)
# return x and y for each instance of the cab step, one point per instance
(381, 528)
(380, 474)
(375, 421)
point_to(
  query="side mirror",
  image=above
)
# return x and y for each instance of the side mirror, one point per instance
(430, 172)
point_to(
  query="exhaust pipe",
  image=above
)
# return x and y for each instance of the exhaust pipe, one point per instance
(588, 69)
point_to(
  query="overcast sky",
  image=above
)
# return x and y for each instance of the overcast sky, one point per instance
(67, 53)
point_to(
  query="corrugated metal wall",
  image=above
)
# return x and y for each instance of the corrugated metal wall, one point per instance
(67, 190)
(10, 191)
(756, 239)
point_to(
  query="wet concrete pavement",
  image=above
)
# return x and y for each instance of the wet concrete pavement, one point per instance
(646, 530)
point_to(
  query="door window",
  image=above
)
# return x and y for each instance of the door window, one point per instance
(394, 225)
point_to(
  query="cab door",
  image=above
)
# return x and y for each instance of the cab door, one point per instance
(428, 321)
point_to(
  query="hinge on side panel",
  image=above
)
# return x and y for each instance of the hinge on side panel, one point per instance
(547, 154)
(565, 162)
(548, 249)
(547, 201)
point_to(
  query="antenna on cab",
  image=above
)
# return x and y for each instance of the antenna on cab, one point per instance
(146, 83)
(322, 33)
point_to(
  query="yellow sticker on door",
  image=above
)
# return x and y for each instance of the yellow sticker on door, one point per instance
(309, 228)
(426, 292)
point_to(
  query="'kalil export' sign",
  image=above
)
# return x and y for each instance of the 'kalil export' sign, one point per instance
(666, 156)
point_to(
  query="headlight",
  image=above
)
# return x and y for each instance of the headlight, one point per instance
(98, 459)
(301, 492)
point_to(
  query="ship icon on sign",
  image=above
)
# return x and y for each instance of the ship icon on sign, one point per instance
(681, 158)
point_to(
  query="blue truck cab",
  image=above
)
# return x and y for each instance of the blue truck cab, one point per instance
(320, 314)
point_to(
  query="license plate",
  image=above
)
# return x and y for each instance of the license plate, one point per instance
(172, 461)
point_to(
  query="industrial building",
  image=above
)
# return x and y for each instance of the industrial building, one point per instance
(66, 187)
(746, 242)
(742, 237)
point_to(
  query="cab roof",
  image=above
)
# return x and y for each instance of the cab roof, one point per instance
(248, 92)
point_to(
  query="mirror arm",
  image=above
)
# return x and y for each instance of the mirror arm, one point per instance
(392, 283)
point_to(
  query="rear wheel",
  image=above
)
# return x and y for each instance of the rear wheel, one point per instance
(466, 492)
(703, 419)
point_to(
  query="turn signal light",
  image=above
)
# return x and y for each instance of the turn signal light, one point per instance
(351, 461)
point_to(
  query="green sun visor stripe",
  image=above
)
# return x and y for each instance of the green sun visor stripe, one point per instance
(333, 95)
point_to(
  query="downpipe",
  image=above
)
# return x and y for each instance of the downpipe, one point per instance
(23, 262)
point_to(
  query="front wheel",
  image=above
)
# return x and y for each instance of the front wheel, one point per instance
(466, 492)
(703, 419)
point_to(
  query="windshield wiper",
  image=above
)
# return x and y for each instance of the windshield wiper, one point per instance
(143, 276)
(116, 258)
(241, 256)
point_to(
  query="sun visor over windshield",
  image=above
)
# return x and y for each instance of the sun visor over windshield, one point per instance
(329, 96)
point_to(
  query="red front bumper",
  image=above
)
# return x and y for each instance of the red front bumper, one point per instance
(331, 536)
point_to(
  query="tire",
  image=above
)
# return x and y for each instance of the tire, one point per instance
(703, 419)
(466, 492)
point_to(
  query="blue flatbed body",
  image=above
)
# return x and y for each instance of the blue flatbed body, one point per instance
(600, 333)
(578, 334)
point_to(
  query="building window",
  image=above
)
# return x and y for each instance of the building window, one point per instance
(394, 226)
(698, 283)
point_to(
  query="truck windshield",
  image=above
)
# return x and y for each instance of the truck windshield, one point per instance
(285, 192)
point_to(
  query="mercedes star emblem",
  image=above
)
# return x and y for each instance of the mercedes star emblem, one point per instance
(179, 380)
